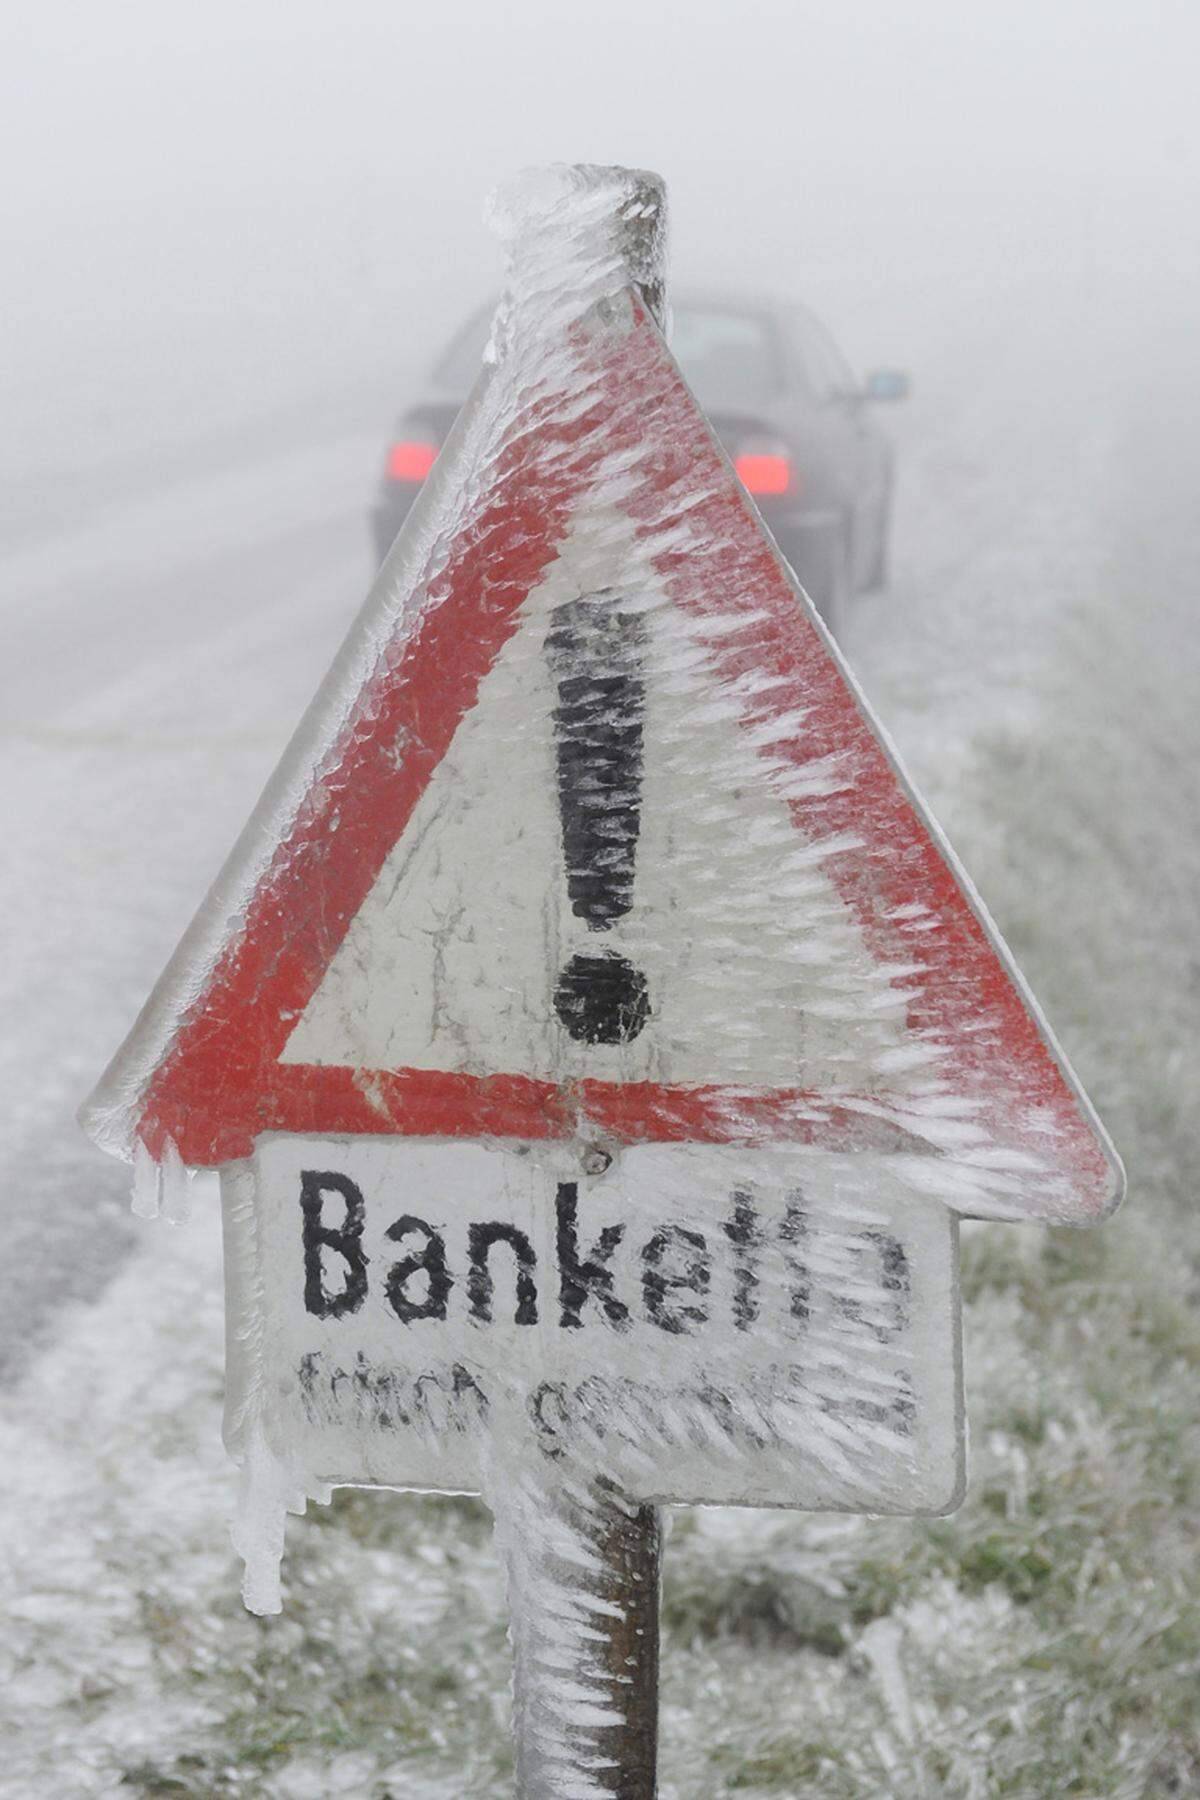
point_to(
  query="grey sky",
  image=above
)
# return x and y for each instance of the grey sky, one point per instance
(212, 205)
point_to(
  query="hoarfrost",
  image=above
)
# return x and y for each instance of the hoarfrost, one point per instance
(773, 964)
(573, 1640)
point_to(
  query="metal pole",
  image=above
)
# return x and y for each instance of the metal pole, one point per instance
(583, 1586)
(583, 1561)
(629, 1547)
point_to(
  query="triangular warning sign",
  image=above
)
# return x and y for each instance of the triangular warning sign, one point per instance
(590, 828)
(754, 969)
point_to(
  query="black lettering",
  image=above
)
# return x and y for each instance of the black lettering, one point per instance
(345, 1240)
(479, 1276)
(465, 1383)
(743, 1233)
(722, 1411)
(377, 1394)
(596, 1408)
(452, 1401)
(692, 1272)
(383, 1395)
(579, 1279)
(360, 1381)
(548, 1408)
(884, 1318)
(904, 1405)
(896, 1413)
(310, 1369)
(794, 1233)
(430, 1261)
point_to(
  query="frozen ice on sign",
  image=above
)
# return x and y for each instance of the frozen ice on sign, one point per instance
(597, 1039)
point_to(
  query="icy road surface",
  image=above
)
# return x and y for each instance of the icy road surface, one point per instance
(1035, 657)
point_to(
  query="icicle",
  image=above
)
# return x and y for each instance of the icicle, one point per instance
(266, 1495)
(147, 1183)
(175, 1185)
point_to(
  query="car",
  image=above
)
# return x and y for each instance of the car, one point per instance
(781, 398)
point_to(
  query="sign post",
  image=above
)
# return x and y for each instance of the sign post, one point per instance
(597, 1039)
(583, 1573)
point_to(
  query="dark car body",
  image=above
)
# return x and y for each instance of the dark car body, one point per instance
(786, 407)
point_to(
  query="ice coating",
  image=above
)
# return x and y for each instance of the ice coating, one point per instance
(575, 235)
(581, 1640)
(480, 1241)
(760, 1327)
(265, 1497)
(146, 1197)
(581, 1340)
(581, 466)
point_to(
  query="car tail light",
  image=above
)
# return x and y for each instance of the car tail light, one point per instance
(410, 460)
(763, 472)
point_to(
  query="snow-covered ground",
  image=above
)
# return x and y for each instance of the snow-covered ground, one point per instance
(1036, 658)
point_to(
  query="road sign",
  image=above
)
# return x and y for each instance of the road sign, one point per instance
(597, 1037)
(719, 1323)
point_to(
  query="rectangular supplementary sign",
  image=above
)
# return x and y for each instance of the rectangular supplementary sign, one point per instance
(717, 1324)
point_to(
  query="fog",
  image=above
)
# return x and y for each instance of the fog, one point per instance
(235, 236)
(217, 214)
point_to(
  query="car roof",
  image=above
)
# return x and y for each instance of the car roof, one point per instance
(783, 312)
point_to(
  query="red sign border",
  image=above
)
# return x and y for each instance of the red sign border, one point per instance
(220, 1082)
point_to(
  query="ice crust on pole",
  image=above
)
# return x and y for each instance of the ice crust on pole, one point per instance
(578, 1646)
(597, 1039)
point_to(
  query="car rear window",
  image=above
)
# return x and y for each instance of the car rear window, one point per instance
(729, 358)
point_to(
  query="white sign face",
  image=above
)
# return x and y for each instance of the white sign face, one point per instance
(754, 967)
(705, 1323)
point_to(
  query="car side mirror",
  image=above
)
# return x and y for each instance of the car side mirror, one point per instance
(886, 384)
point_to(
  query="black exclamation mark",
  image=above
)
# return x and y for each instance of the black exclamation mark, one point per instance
(595, 654)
